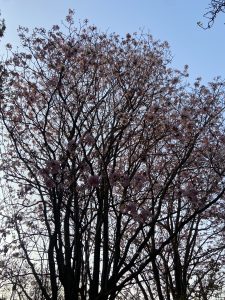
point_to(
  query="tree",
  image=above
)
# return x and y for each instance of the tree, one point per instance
(98, 131)
(215, 8)
(192, 265)
(2, 27)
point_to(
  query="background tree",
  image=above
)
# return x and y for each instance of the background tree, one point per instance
(98, 133)
(192, 265)
(2, 27)
(214, 9)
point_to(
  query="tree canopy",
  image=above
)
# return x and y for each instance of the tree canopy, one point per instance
(112, 170)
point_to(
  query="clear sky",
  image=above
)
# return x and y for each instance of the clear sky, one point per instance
(171, 20)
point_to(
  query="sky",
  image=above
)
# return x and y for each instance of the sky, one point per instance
(172, 20)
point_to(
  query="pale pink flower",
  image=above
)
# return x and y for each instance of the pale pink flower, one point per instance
(53, 166)
(49, 183)
(89, 139)
(19, 217)
(123, 208)
(44, 172)
(131, 207)
(69, 17)
(128, 36)
(137, 218)
(144, 214)
(55, 27)
(25, 189)
(8, 46)
(93, 180)
(83, 166)
(124, 180)
(139, 180)
(114, 177)
(28, 56)
(71, 146)
(185, 114)
(191, 193)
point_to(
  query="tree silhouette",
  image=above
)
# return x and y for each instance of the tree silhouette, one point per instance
(214, 9)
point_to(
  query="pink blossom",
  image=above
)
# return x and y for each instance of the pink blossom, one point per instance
(123, 208)
(138, 218)
(124, 180)
(185, 114)
(114, 177)
(25, 189)
(55, 27)
(53, 166)
(191, 193)
(83, 166)
(49, 183)
(89, 139)
(71, 146)
(44, 172)
(144, 214)
(139, 180)
(93, 180)
(131, 207)
(69, 17)
(9, 46)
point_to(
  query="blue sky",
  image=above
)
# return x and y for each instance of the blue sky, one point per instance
(171, 20)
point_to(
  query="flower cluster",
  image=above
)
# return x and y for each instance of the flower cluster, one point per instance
(120, 177)
(53, 166)
(140, 215)
(93, 181)
(71, 146)
(88, 139)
